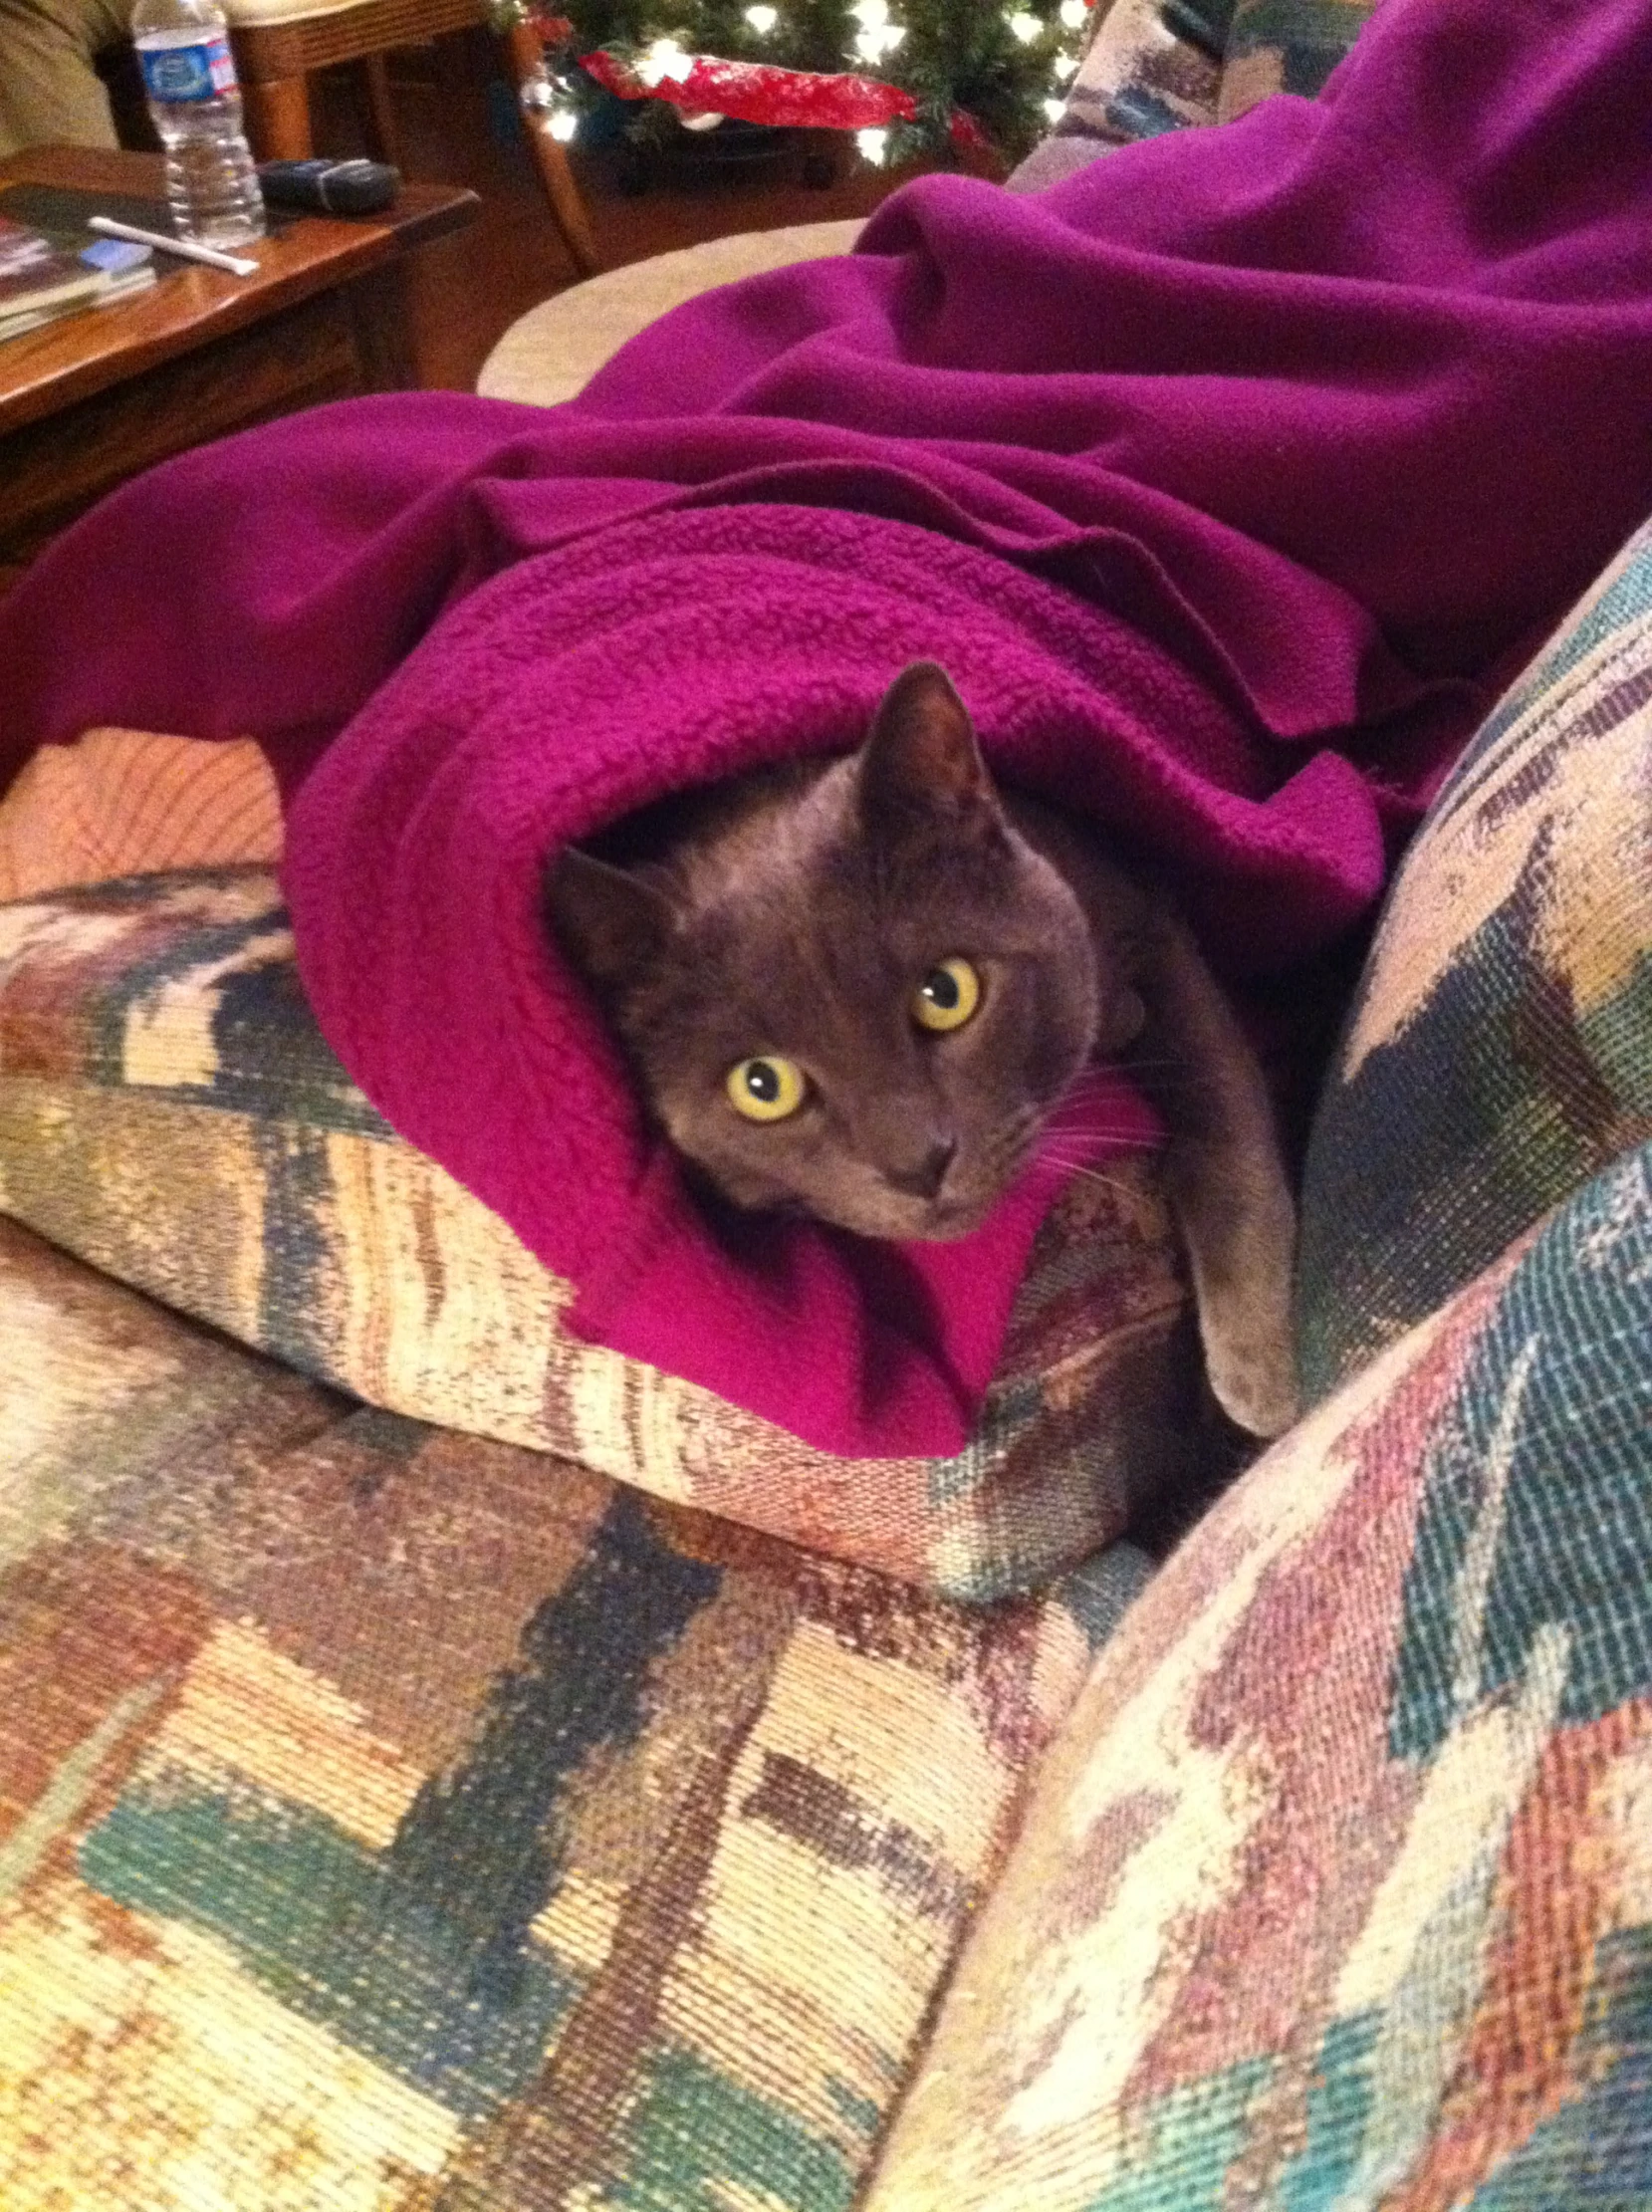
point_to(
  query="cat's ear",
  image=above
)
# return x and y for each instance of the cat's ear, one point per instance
(612, 924)
(921, 759)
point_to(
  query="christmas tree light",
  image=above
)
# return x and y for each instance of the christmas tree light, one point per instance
(913, 77)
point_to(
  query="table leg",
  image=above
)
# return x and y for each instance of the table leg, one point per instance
(383, 330)
(383, 139)
(278, 119)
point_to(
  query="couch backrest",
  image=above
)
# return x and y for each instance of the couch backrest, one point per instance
(1499, 1049)
(1170, 65)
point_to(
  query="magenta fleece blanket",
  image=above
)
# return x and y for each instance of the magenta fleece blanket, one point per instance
(1230, 478)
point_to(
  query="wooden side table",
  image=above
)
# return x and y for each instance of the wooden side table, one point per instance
(89, 401)
(275, 59)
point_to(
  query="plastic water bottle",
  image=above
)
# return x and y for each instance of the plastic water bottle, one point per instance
(189, 77)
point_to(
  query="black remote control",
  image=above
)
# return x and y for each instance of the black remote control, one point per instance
(328, 187)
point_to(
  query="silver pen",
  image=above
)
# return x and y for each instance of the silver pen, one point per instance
(237, 264)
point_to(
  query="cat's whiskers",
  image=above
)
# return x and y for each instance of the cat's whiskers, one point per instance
(1060, 1144)
(1128, 1060)
(1091, 1130)
(1083, 1155)
(1067, 1169)
(1068, 1163)
(1058, 1141)
(1075, 1116)
(1167, 1077)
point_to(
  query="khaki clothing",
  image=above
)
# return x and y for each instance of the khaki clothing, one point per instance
(48, 90)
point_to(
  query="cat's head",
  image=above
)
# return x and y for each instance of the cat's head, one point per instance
(856, 994)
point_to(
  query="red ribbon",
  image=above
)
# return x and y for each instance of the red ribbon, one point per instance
(755, 92)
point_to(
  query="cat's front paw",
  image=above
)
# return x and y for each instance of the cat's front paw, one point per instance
(1255, 1384)
(1245, 1319)
(1241, 1234)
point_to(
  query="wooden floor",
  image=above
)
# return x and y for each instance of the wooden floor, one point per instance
(458, 124)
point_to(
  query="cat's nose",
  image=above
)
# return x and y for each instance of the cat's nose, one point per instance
(925, 1180)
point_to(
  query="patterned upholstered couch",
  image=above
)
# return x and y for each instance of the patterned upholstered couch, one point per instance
(437, 1771)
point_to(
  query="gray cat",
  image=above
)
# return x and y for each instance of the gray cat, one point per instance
(862, 988)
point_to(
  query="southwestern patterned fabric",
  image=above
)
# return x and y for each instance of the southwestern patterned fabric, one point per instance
(403, 1819)
(1165, 65)
(170, 1113)
(1152, 66)
(398, 1818)
(1335, 1892)
(393, 1821)
(1501, 1048)
(1285, 46)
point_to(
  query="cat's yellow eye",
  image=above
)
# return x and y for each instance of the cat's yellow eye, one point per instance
(948, 995)
(765, 1089)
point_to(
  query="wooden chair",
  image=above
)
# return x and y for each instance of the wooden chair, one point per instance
(279, 43)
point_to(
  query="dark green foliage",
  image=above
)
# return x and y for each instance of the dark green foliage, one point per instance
(957, 56)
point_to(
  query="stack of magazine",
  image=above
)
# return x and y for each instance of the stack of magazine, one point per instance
(41, 280)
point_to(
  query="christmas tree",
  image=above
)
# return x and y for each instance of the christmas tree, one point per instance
(908, 77)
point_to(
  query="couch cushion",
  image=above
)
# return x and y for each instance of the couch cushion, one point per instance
(170, 1113)
(1336, 1890)
(102, 1395)
(1499, 1049)
(390, 1819)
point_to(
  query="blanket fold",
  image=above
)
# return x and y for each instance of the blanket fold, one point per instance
(1229, 478)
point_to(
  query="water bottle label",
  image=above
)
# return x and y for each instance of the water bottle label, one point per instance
(179, 73)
